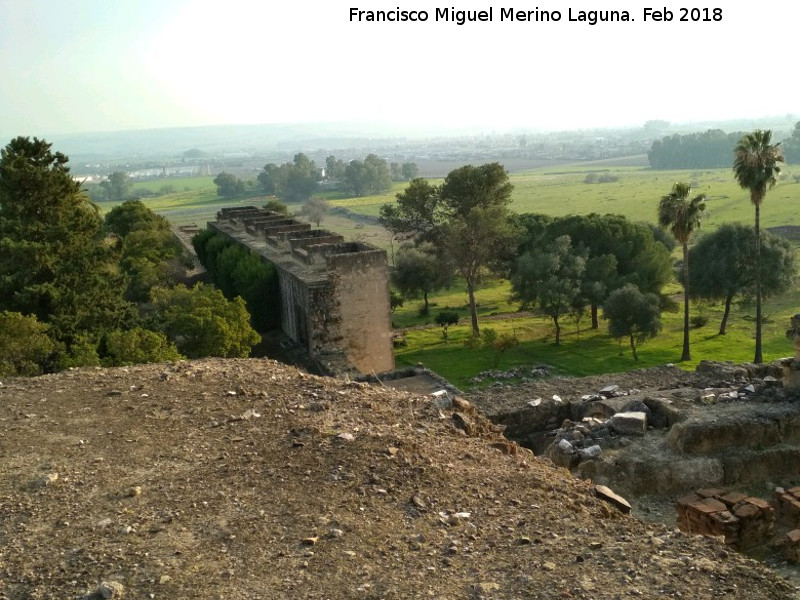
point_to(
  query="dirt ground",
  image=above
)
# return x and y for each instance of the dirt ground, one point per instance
(247, 479)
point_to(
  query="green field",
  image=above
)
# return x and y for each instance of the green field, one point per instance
(555, 192)
(563, 191)
(638, 190)
(588, 352)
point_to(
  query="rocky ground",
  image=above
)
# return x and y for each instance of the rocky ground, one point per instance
(247, 479)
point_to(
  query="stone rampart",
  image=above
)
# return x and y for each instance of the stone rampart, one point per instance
(334, 294)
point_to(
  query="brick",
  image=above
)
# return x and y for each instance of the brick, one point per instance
(732, 498)
(745, 510)
(687, 500)
(762, 504)
(713, 505)
(793, 536)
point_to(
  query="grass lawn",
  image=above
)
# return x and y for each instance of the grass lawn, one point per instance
(590, 352)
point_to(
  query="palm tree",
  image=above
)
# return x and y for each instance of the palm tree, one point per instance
(755, 166)
(682, 216)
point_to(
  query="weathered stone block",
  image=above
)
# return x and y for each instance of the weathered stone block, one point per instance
(629, 423)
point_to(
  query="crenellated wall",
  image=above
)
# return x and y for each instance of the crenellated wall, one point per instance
(334, 294)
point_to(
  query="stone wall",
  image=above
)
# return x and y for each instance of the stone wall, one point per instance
(334, 294)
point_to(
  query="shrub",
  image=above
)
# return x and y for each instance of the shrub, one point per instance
(699, 321)
(202, 322)
(82, 352)
(445, 318)
(138, 346)
(24, 344)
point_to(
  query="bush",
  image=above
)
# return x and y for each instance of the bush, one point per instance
(699, 321)
(445, 318)
(82, 352)
(395, 300)
(24, 344)
(138, 346)
(202, 322)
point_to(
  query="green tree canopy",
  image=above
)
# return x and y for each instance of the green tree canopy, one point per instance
(632, 314)
(618, 251)
(370, 176)
(409, 170)
(552, 278)
(150, 254)
(724, 266)
(118, 186)
(238, 272)
(420, 270)
(445, 318)
(55, 263)
(478, 234)
(202, 322)
(416, 212)
(228, 185)
(791, 146)
(277, 206)
(133, 215)
(467, 217)
(294, 182)
(25, 347)
(334, 168)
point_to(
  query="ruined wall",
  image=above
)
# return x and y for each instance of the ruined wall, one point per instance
(361, 287)
(744, 521)
(334, 294)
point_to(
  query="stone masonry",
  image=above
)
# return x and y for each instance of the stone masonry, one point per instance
(791, 366)
(334, 294)
(743, 521)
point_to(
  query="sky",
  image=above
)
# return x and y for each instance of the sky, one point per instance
(97, 65)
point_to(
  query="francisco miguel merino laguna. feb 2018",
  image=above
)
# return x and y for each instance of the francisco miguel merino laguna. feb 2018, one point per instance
(537, 15)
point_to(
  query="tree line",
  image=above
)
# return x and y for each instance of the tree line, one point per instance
(80, 289)
(569, 266)
(710, 149)
(297, 181)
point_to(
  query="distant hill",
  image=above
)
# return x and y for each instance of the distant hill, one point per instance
(217, 139)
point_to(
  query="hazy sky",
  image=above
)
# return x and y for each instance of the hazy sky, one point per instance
(88, 65)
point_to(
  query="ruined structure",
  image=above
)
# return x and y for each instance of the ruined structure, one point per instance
(744, 521)
(791, 366)
(334, 294)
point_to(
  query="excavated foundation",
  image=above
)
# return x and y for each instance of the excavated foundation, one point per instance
(724, 426)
